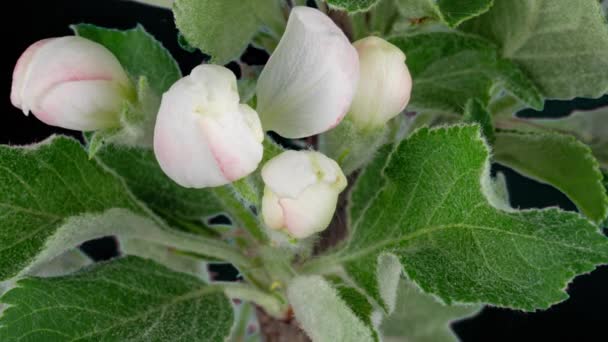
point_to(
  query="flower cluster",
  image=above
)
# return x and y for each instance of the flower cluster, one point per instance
(204, 136)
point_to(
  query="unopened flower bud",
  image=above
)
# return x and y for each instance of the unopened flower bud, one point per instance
(385, 83)
(310, 80)
(203, 136)
(301, 192)
(71, 82)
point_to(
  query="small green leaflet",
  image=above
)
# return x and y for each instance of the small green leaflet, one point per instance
(138, 52)
(323, 314)
(450, 68)
(561, 44)
(223, 29)
(418, 317)
(125, 299)
(450, 12)
(353, 5)
(559, 160)
(429, 206)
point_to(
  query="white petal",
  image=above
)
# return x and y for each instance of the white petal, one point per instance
(272, 212)
(81, 105)
(309, 82)
(385, 84)
(289, 173)
(311, 212)
(203, 136)
(47, 64)
(21, 72)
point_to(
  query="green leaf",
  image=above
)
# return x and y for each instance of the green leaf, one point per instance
(559, 160)
(223, 29)
(419, 317)
(41, 187)
(353, 5)
(432, 209)
(356, 301)
(53, 198)
(449, 69)
(126, 299)
(140, 170)
(138, 52)
(323, 314)
(450, 12)
(476, 112)
(561, 44)
(590, 127)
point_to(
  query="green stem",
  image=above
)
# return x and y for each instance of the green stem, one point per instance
(321, 265)
(200, 245)
(239, 212)
(272, 303)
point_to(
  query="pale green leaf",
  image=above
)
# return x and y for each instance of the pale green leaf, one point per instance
(223, 29)
(559, 160)
(561, 44)
(590, 127)
(449, 68)
(123, 300)
(450, 12)
(418, 317)
(353, 5)
(323, 314)
(138, 52)
(430, 208)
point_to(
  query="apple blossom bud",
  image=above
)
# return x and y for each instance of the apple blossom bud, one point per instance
(301, 192)
(203, 136)
(71, 82)
(385, 84)
(309, 82)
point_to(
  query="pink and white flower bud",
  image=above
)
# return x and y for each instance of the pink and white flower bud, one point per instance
(203, 136)
(309, 82)
(385, 84)
(71, 82)
(301, 192)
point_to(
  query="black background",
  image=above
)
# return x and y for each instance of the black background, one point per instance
(584, 317)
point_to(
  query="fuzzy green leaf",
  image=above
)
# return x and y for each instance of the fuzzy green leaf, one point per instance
(223, 29)
(449, 69)
(139, 168)
(590, 127)
(53, 198)
(126, 299)
(433, 208)
(476, 112)
(353, 5)
(450, 12)
(323, 314)
(138, 52)
(561, 44)
(559, 160)
(418, 317)
(43, 186)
